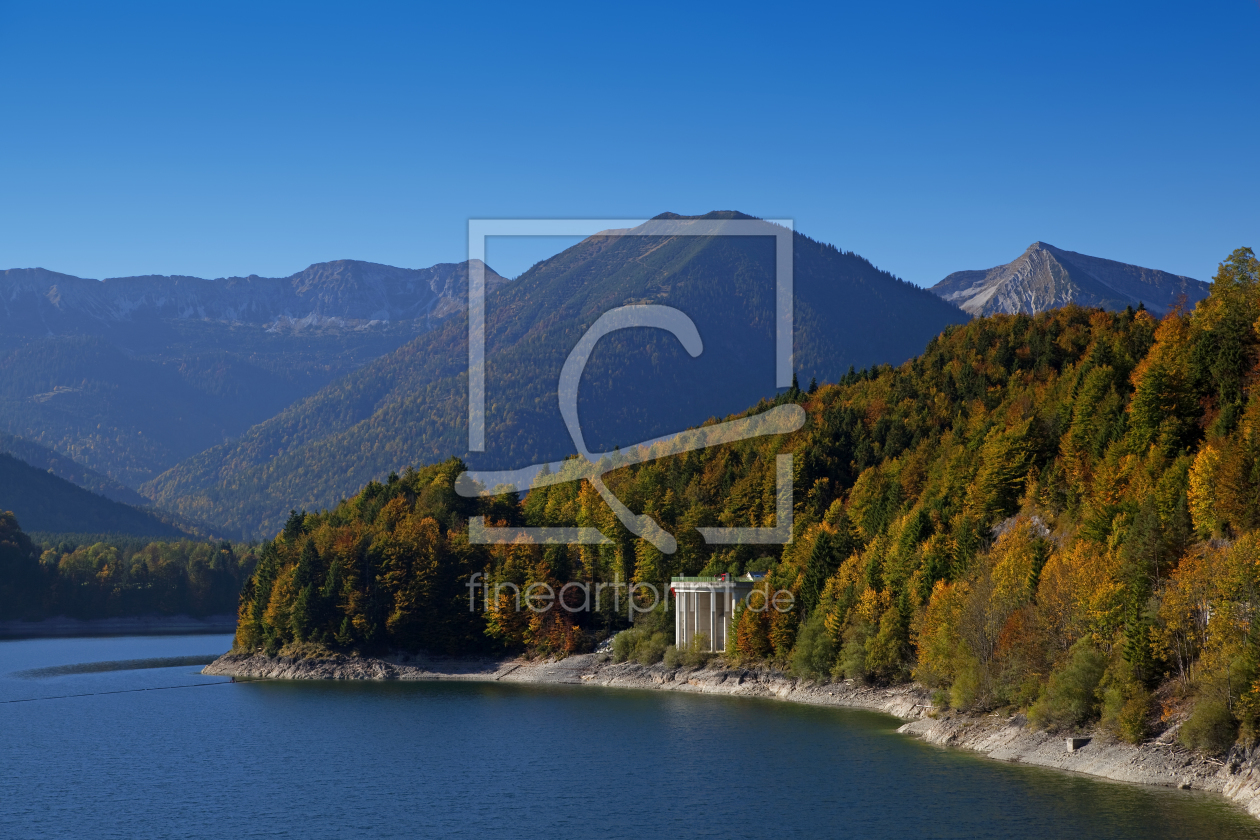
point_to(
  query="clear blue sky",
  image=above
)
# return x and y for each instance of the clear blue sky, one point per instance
(216, 139)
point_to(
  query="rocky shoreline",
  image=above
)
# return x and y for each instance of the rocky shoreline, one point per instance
(1160, 762)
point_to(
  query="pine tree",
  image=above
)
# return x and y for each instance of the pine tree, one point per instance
(301, 619)
(821, 564)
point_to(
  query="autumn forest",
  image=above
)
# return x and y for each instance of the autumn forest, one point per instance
(1058, 514)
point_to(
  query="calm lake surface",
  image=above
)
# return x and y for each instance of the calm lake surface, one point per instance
(315, 760)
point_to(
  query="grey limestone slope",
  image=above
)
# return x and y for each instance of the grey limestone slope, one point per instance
(1045, 277)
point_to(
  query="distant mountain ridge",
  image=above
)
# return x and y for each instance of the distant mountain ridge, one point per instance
(341, 293)
(131, 375)
(1045, 277)
(410, 406)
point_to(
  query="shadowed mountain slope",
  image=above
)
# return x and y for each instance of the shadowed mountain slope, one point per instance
(43, 502)
(41, 457)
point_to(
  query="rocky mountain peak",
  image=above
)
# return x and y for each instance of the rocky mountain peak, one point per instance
(1045, 277)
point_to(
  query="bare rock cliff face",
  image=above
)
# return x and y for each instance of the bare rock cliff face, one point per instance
(1045, 277)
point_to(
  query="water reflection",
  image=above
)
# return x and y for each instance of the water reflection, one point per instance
(113, 665)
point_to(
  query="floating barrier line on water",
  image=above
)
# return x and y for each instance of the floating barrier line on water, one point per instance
(122, 691)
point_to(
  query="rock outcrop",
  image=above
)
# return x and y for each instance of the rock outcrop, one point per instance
(1045, 277)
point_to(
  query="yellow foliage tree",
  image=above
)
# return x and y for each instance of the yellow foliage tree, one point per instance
(1201, 494)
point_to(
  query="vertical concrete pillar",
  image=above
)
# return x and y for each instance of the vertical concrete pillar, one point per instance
(685, 605)
(695, 615)
(719, 635)
(712, 618)
(677, 616)
(688, 622)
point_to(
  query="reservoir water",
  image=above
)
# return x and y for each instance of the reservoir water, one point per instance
(198, 756)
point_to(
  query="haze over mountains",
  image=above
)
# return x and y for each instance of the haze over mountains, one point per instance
(131, 375)
(1045, 277)
(410, 406)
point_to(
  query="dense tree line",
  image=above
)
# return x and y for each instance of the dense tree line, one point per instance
(385, 569)
(117, 577)
(1054, 513)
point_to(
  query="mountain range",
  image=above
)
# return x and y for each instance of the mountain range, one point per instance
(129, 376)
(231, 401)
(344, 293)
(410, 406)
(1045, 277)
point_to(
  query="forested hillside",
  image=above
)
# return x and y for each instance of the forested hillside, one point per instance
(116, 577)
(1057, 513)
(59, 465)
(46, 502)
(133, 403)
(411, 407)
